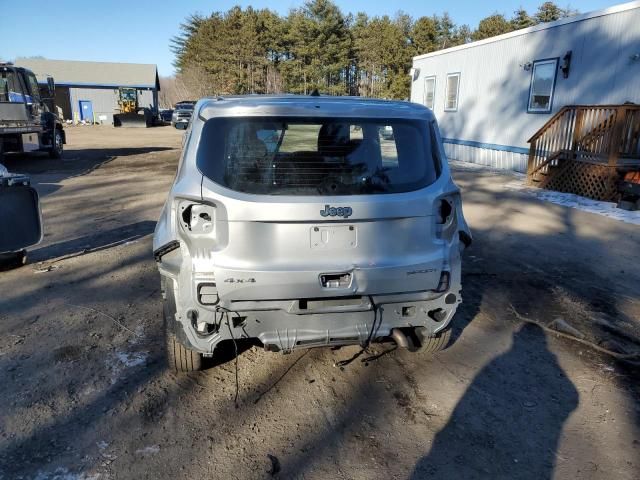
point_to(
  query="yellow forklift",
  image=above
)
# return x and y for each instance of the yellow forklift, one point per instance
(130, 113)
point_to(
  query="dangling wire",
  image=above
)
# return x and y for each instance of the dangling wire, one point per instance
(235, 347)
(365, 348)
(225, 314)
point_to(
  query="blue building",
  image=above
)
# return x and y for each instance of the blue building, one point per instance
(89, 90)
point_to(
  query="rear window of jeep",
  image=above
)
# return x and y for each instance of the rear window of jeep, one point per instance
(300, 156)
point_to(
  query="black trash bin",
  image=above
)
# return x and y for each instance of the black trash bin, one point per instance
(20, 218)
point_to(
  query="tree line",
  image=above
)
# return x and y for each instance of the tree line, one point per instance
(317, 46)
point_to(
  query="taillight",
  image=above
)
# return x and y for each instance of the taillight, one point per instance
(196, 218)
(443, 284)
(445, 210)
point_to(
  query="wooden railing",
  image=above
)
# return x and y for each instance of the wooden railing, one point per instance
(629, 147)
(607, 135)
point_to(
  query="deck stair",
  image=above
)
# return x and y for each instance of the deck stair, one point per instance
(585, 149)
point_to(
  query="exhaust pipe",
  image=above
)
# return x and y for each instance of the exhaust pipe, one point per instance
(400, 338)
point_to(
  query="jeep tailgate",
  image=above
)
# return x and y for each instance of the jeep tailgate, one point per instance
(387, 244)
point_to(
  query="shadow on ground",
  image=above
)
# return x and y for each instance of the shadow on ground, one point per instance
(505, 425)
(547, 262)
(75, 163)
(94, 242)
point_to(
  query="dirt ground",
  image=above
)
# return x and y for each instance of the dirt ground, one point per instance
(84, 393)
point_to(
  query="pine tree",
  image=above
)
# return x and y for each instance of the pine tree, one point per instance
(180, 43)
(317, 46)
(319, 43)
(463, 35)
(548, 12)
(446, 31)
(521, 19)
(424, 35)
(491, 26)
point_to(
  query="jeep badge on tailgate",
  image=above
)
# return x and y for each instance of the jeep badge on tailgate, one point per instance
(328, 211)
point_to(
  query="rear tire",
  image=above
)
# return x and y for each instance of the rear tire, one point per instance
(58, 145)
(179, 358)
(436, 343)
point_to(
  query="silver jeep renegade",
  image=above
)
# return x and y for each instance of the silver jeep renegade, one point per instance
(309, 221)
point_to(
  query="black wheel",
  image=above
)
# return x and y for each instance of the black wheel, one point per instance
(58, 144)
(179, 358)
(433, 344)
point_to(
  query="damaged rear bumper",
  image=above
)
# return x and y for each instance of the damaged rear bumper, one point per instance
(286, 325)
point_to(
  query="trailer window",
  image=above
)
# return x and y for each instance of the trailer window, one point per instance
(453, 88)
(543, 79)
(429, 92)
(306, 156)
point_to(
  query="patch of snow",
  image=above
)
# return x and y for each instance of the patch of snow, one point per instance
(87, 391)
(139, 335)
(570, 200)
(131, 359)
(122, 360)
(102, 444)
(150, 450)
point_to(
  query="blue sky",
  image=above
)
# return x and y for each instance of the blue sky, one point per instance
(139, 31)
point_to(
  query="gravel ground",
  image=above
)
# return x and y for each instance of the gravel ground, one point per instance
(85, 393)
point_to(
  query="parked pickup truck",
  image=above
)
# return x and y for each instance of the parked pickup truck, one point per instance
(27, 119)
(182, 114)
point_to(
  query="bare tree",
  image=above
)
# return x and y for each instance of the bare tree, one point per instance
(192, 83)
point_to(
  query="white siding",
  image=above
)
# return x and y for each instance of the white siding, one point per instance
(488, 157)
(494, 87)
(103, 101)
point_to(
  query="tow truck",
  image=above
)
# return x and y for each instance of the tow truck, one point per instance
(27, 119)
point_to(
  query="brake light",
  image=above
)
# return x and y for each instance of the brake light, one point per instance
(197, 218)
(444, 211)
(443, 284)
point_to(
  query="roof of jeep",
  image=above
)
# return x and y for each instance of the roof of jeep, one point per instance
(309, 106)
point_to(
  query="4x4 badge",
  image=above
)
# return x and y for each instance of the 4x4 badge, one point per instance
(328, 211)
(239, 280)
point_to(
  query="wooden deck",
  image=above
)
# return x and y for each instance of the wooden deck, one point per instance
(584, 149)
